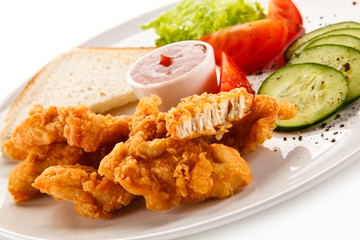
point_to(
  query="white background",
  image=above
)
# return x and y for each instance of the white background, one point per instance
(33, 32)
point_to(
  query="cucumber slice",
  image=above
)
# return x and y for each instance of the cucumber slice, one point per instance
(348, 31)
(317, 32)
(342, 58)
(317, 91)
(341, 39)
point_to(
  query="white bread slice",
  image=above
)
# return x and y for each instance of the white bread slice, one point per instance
(95, 77)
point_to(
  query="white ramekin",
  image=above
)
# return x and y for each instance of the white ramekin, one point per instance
(197, 81)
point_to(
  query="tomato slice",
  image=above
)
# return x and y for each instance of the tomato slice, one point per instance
(250, 45)
(231, 76)
(286, 11)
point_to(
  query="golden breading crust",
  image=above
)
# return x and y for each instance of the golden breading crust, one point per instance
(37, 161)
(42, 157)
(183, 172)
(77, 125)
(94, 196)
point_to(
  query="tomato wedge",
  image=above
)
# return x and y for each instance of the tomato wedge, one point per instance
(250, 45)
(286, 11)
(231, 76)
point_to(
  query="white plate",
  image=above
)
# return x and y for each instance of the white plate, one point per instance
(281, 168)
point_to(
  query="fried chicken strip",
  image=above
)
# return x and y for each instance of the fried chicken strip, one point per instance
(170, 172)
(93, 196)
(186, 172)
(257, 127)
(37, 161)
(42, 157)
(207, 114)
(78, 126)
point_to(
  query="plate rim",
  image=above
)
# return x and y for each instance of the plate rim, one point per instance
(214, 222)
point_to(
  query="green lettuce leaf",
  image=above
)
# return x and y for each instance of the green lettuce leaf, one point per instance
(191, 20)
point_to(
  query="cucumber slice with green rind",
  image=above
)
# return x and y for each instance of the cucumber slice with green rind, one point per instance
(338, 39)
(317, 91)
(342, 58)
(306, 37)
(349, 31)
